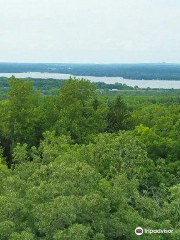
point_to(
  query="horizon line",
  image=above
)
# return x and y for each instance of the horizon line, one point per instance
(93, 63)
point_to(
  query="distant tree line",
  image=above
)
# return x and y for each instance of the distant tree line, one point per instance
(49, 86)
(161, 71)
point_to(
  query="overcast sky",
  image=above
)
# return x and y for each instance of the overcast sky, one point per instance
(84, 31)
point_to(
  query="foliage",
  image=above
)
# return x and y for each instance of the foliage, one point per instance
(77, 165)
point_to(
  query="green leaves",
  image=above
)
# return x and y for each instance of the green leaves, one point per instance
(69, 179)
(76, 232)
(117, 117)
(111, 154)
(22, 236)
(78, 116)
(20, 154)
(6, 229)
(67, 195)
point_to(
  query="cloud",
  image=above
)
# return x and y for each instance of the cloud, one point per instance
(89, 31)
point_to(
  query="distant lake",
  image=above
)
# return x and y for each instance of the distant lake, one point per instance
(140, 83)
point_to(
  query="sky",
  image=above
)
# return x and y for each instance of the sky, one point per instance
(90, 31)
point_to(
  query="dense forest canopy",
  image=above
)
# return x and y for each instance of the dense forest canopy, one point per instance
(79, 165)
(49, 86)
(161, 71)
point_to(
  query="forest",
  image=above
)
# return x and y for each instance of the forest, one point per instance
(146, 71)
(80, 164)
(49, 86)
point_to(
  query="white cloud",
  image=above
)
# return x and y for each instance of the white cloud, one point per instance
(90, 31)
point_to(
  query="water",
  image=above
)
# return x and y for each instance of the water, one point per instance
(140, 83)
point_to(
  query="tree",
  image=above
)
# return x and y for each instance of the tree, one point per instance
(20, 117)
(78, 116)
(117, 116)
(24, 112)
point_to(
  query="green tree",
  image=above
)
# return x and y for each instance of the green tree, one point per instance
(78, 117)
(117, 116)
(20, 117)
(24, 112)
